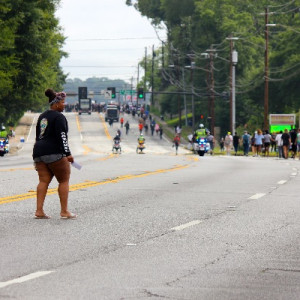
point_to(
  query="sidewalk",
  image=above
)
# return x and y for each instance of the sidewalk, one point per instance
(170, 130)
(21, 131)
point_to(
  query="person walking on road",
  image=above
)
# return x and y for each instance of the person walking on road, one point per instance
(222, 144)
(298, 142)
(127, 126)
(152, 126)
(246, 142)
(160, 132)
(146, 128)
(236, 141)
(286, 142)
(157, 128)
(258, 141)
(293, 136)
(211, 141)
(141, 126)
(51, 154)
(279, 144)
(176, 142)
(122, 122)
(228, 142)
(267, 142)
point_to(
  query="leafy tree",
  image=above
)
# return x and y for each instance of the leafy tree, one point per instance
(196, 25)
(31, 55)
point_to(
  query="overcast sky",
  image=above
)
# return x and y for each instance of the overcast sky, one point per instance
(104, 38)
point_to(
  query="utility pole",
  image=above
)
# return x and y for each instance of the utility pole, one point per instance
(184, 97)
(178, 96)
(212, 93)
(152, 76)
(266, 98)
(233, 62)
(137, 82)
(131, 86)
(193, 102)
(211, 83)
(145, 68)
(230, 85)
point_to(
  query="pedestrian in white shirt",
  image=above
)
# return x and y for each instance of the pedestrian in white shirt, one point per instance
(279, 144)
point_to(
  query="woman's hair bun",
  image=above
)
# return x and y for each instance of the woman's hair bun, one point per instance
(50, 94)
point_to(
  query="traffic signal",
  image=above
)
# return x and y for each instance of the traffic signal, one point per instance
(82, 92)
(113, 92)
(201, 117)
(140, 93)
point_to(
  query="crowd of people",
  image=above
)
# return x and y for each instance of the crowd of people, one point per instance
(284, 143)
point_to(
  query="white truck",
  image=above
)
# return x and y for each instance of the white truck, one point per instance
(112, 113)
(85, 106)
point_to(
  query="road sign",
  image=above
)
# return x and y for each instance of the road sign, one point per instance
(107, 94)
(282, 119)
(82, 92)
(127, 92)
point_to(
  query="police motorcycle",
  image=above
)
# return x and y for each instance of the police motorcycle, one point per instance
(116, 144)
(4, 146)
(141, 145)
(202, 146)
(200, 142)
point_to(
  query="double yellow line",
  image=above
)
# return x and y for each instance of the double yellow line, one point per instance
(88, 184)
(105, 127)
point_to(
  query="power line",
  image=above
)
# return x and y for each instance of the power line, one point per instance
(112, 39)
(98, 66)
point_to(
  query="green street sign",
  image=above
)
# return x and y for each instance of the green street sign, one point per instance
(127, 92)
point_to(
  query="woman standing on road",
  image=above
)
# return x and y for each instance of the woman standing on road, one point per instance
(258, 141)
(286, 142)
(51, 154)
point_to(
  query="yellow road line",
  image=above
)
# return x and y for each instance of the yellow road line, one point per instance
(86, 149)
(88, 184)
(78, 123)
(106, 157)
(105, 127)
(16, 169)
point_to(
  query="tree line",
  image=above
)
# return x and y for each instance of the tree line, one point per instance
(30, 51)
(199, 32)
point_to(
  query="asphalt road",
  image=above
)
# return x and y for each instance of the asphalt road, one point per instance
(151, 225)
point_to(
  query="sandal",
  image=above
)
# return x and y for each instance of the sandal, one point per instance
(71, 216)
(42, 217)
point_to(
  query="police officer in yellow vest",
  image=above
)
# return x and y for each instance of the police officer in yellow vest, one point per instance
(141, 139)
(3, 132)
(201, 132)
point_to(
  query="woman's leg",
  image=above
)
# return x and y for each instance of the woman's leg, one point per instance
(285, 151)
(258, 149)
(45, 177)
(61, 170)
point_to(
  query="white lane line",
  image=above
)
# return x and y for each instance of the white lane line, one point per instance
(25, 278)
(282, 182)
(257, 196)
(293, 174)
(184, 226)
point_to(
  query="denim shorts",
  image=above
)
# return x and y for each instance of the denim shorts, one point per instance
(48, 159)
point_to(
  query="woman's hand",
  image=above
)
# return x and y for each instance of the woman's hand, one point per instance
(70, 158)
